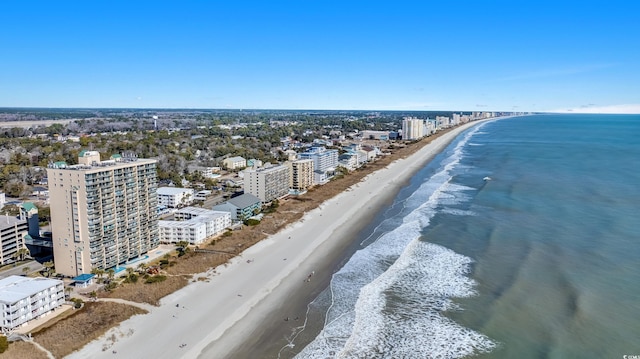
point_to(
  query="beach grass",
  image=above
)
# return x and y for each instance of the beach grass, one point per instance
(87, 324)
(23, 350)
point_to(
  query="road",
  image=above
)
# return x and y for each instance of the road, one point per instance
(18, 270)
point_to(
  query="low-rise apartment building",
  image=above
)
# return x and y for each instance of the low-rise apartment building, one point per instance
(174, 197)
(23, 299)
(233, 163)
(241, 207)
(194, 225)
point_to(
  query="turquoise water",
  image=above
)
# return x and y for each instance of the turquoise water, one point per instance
(139, 259)
(538, 262)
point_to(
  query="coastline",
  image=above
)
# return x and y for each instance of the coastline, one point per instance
(264, 283)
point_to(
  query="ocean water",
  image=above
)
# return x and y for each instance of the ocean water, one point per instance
(540, 261)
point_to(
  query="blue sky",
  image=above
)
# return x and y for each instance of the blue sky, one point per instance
(370, 55)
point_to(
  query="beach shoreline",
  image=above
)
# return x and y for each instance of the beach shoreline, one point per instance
(237, 303)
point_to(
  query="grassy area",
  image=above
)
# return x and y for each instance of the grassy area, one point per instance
(55, 320)
(23, 350)
(147, 293)
(86, 324)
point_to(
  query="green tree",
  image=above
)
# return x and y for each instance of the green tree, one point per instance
(68, 290)
(11, 210)
(44, 214)
(142, 267)
(49, 268)
(111, 273)
(4, 343)
(15, 188)
(26, 270)
(99, 272)
(183, 247)
(21, 253)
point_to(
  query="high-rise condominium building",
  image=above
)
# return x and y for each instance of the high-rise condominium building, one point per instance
(267, 183)
(103, 213)
(300, 174)
(413, 128)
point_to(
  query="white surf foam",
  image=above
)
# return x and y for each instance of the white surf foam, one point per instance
(387, 301)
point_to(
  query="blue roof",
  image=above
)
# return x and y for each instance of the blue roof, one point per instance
(83, 277)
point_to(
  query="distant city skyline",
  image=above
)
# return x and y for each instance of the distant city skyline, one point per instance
(297, 55)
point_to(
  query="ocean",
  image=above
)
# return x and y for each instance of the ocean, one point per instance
(521, 239)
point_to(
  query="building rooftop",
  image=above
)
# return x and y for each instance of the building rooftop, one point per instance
(28, 206)
(273, 168)
(194, 222)
(10, 221)
(114, 163)
(15, 288)
(84, 277)
(244, 200)
(169, 191)
(197, 211)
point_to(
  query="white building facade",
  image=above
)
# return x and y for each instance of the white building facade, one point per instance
(23, 299)
(194, 225)
(267, 183)
(103, 213)
(174, 197)
(413, 128)
(233, 163)
(324, 161)
(12, 233)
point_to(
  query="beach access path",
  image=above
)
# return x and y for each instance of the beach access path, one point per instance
(210, 318)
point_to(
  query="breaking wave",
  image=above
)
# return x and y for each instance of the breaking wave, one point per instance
(388, 299)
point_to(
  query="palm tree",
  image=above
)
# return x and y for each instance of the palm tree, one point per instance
(142, 267)
(68, 289)
(99, 272)
(22, 252)
(49, 268)
(111, 273)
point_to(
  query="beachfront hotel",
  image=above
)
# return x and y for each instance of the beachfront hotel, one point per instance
(413, 128)
(23, 299)
(267, 183)
(103, 213)
(325, 162)
(301, 175)
(194, 225)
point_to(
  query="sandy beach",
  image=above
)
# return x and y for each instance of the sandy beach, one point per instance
(229, 308)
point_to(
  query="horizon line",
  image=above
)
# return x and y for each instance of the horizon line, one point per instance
(245, 109)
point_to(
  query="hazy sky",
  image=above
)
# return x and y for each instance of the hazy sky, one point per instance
(319, 54)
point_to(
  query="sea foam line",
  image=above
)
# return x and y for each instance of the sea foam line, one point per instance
(357, 323)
